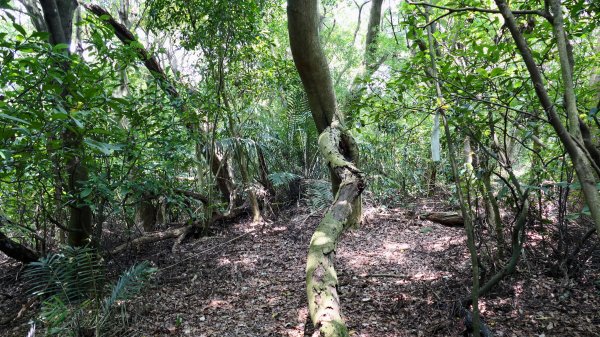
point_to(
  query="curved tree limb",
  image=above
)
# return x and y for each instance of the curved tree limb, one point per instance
(127, 37)
(339, 150)
(218, 166)
(321, 277)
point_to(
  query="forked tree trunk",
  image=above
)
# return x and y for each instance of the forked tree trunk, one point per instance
(339, 151)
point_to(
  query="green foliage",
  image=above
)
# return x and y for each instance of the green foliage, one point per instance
(318, 194)
(282, 178)
(75, 294)
(72, 275)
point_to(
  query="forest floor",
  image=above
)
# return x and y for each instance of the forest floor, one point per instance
(399, 275)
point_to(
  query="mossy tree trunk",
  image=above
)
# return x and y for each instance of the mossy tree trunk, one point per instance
(340, 151)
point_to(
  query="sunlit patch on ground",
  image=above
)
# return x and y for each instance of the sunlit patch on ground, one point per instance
(396, 280)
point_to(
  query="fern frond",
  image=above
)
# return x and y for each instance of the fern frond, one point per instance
(318, 194)
(129, 284)
(282, 178)
(71, 275)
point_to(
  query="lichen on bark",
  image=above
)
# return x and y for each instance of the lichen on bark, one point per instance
(321, 277)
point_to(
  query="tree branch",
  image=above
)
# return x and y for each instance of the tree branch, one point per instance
(450, 11)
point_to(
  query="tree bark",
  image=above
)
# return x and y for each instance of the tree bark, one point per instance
(16, 250)
(35, 15)
(341, 153)
(145, 214)
(372, 33)
(321, 277)
(312, 66)
(58, 15)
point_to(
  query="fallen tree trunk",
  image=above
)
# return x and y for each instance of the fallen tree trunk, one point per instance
(450, 219)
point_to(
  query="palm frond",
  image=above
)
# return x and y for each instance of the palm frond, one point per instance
(129, 284)
(72, 275)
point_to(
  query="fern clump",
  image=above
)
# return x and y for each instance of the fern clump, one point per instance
(318, 195)
(77, 299)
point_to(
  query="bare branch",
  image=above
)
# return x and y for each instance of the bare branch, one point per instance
(450, 11)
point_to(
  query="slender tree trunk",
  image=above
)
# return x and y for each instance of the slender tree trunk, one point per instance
(264, 171)
(492, 210)
(464, 205)
(372, 34)
(571, 137)
(58, 15)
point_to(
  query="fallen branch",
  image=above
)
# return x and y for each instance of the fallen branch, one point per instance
(16, 250)
(152, 237)
(385, 276)
(179, 233)
(450, 219)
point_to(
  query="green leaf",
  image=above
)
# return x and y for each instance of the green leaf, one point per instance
(85, 192)
(77, 122)
(105, 148)
(14, 119)
(426, 230)
(4, 154)
(41, 35)
(60, 46)
(20, 29)
(5, 4)
(59, 115)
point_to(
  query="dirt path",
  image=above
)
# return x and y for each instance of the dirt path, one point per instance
(399, 277)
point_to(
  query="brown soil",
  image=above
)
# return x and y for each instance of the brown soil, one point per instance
(399, 276)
